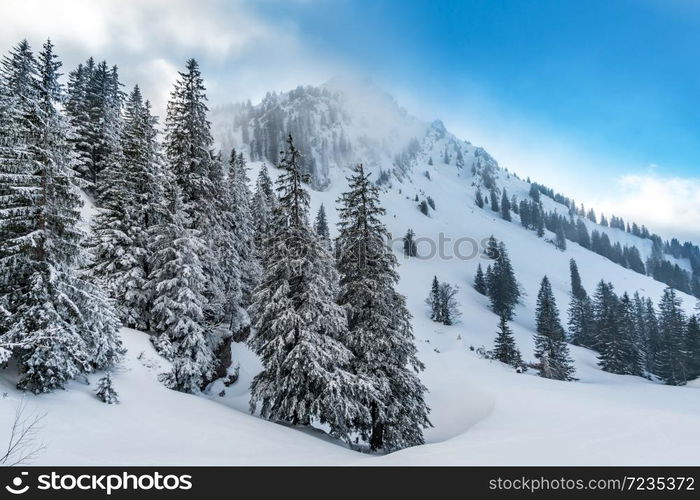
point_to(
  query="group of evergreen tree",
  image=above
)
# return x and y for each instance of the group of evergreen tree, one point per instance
(500, 285)
(498, 282)
(333, 335)
(443, 304)
(173, 240)
(630, 336)
(186, 252)
(59, 322)
(571, 227)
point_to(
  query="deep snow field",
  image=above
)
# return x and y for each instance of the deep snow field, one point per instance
(483, 412)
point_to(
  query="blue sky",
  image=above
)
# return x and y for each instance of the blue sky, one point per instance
(622, 77)
(599, 99)
(613, 86)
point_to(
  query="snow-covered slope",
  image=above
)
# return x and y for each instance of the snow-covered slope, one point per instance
(482, 411)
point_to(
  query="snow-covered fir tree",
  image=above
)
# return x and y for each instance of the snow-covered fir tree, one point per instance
(177, 283)
(380, 333)
(641, 330)
(63, 325)
(505, 206)
(550, 343)
(670, 358)
(619, 350)
(505, 349)
(410, 248)
(243, 227)
(503, 288)
(105, 390)
(580, 311)
(653, 336)
(263, 204)
(480, 281)
(605, 309)
(188, 149)
(560, 237)
(132, 201)
(150, 181)
(491, 251)
(222, 265)
(479, 200)
(494, 201)
(94, 111)
(321, 227)
(433, 301)
(692, 347)
(300, 333)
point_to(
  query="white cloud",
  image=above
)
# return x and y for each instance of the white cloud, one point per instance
(667, 205)
(241, 54)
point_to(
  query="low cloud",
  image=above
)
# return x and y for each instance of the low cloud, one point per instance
(242, 55)
(669, 206)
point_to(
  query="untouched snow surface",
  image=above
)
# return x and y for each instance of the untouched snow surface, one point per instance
(483, 412)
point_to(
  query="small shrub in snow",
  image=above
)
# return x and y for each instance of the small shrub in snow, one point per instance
(105, 390)
(423, 207)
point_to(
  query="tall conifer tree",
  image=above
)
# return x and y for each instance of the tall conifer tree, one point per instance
(380, 333)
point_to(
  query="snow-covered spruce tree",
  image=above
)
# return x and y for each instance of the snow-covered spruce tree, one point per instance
(263, 205)
(94, 111)
(105, 390)
(188, 149)
(132, 201)
(77, 112)
(178, 282)
(670, 358)
(380, 333)
(222, 264)
(605, 309)
(550, 343)
(243, 227)
(491, 250)
(494, 201)
(433, 301)
(505, 349)
(503, 288)
(63, 325)
(410, 248)
(560, 236)
(505, 206)
(580, 311)
(641, 330)
(321, 227)
(106, 137)
(479, 200)
(692, 347)
(480, 281)
(619, 351)
(299, 330)
(653, 336)
(150, 180)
